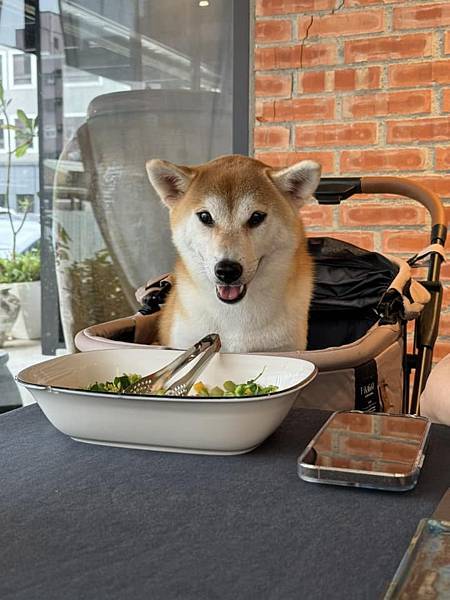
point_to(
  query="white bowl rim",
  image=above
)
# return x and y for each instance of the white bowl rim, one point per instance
(152, 398)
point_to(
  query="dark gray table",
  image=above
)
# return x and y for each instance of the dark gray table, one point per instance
(80, 521)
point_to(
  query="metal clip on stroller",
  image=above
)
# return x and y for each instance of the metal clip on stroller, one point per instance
(361, 305)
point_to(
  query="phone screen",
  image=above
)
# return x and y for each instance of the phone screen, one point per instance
(372, 443)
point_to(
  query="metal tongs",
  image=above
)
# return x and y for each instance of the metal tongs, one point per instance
(151, 384)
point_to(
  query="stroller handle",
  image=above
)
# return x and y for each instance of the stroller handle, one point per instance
(332, 190)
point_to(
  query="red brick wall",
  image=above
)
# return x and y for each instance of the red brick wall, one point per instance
(376, 444)
(372, 97)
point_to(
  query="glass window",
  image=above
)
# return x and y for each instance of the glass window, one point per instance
(2, 200)
(72, 124)
(76, 77)
(22, 69)
(119, 85)
(133, 88)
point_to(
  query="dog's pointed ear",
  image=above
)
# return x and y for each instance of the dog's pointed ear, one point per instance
(170, 181)
(299, 181)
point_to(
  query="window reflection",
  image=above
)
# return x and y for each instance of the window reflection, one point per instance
(120, 82)
(21, 69)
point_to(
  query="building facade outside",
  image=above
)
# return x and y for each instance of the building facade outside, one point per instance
(18, 75)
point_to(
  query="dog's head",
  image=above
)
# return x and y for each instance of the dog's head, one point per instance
(234, 217)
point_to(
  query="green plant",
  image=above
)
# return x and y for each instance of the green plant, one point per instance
(91, 285)
(25, 267)
(24, 139)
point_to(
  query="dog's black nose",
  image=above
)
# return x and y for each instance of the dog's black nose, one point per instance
(228, 271)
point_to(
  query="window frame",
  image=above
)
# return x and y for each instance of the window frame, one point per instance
(21, 86)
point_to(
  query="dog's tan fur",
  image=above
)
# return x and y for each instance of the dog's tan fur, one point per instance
(274, 313)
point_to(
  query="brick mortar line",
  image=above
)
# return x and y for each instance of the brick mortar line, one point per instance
(384, 78)
(431, 159)
(335, 217)
(389, 19)
(327, 38)
(391, 146)
(363, 435)
(362, 120)
(411, 172)
(330, 39)
(355, 119)
(318, 95)
(326, 12)
(379, 119)
(294, 27)
(372, 228)
(340, 51)
(346, 173)
(440, 44)
(374, 119)
(375, 146)
(317, 13)
(372, 91)
(339, 108)
(361, 92)
(402, 3)
(424, 29)
(411, 60)
(350, 37)
(375, 8)
(382, 133)
(351, 65)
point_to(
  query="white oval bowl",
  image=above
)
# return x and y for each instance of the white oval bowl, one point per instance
(188, 424)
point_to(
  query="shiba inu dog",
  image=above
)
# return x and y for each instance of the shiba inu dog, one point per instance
(243, 269)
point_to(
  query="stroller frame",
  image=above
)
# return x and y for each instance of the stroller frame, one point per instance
(333, 190)
(390, 309)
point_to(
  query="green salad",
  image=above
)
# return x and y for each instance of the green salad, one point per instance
(118, 385)
(229, 388)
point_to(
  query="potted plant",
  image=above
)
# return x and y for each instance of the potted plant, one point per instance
(19, 273)
(94, 278)
(22, 277)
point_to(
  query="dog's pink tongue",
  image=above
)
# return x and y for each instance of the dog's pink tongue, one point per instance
(229, 292)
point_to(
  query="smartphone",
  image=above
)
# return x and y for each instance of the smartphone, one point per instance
(373, 450)
(423, 571)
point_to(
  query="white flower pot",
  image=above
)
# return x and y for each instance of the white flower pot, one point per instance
(28, 322)
(9, 309)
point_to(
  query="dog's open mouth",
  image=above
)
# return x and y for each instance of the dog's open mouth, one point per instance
(230, 293)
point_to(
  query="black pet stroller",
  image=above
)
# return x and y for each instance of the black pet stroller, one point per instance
(358, 322)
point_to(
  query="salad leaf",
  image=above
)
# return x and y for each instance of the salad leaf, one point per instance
(229, 389)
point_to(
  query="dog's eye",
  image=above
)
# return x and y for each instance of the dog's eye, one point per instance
(256, 219)
(206, 218)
